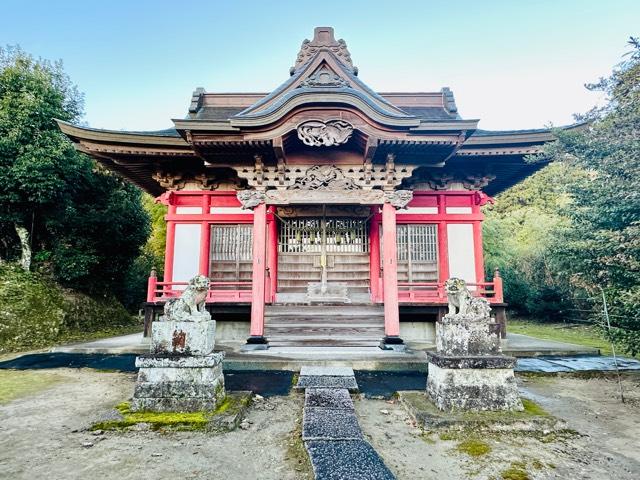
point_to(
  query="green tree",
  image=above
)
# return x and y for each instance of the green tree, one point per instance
(601, 249)
(519, 237)
(83, 223)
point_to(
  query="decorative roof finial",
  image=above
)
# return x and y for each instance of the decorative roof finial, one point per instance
(323, 38)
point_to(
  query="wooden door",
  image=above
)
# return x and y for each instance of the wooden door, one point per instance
(304, 242)
(231, 258)
(417, 252)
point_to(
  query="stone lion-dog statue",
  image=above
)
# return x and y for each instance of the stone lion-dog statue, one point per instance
(461, 301)
(190, 306)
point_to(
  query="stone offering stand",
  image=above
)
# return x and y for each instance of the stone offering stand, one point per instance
(182, 374)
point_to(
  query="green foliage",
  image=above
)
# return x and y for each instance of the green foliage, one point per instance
(155, 246)
(519, 235)
(572, 231)
(86, 225)
(602, 249)
(36, 312)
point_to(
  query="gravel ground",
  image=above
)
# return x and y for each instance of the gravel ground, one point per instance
(42, 437)
(607, 446)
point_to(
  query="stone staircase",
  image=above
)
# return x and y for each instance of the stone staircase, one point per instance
(324, 325)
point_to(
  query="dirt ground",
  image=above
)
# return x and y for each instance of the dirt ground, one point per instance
(42, 436)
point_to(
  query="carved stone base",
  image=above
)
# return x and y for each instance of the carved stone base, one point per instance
(472, 383)
(467, 335)
(183, 338)
(179, 383)
(328, 293)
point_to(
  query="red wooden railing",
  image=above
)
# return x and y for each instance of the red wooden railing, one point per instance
(430, 292)
(408, 292)
(218, 291)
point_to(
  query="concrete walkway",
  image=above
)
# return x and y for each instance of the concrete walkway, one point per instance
(515, 344)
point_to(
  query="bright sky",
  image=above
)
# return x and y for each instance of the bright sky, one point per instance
(513, 64)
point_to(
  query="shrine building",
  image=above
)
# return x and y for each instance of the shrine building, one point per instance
(324, 213)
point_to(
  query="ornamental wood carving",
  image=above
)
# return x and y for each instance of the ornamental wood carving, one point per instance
(324, 177)
(324, 77)
(317, 133)
(323, 38)
(250, 198)
(283, 176)
(398, 198)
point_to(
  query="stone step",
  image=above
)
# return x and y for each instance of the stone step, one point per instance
(324, 342)
(326, 310)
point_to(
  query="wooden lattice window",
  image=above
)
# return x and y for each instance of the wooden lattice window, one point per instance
(306, 235)
(417, 247)
(230, 258)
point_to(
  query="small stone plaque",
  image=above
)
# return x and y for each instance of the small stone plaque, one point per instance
(183, 338)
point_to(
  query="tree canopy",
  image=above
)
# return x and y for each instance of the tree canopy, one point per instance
(571, 233)
(83, 224)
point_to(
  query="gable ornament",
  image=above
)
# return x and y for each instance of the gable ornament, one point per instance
(317, 133)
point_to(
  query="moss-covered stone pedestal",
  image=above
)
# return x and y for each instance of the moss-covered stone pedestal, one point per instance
(469, 371)
(179, 383)
(182, 374)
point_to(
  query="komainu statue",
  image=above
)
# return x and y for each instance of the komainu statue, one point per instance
(190, 306)
(461, 301)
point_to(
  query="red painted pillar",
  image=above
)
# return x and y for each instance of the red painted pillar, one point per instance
(443, 246)
(272, 255)
(169, 249)
(205, 239)
(478, 251)
(390, 275)
(258, 277)
(374, 257)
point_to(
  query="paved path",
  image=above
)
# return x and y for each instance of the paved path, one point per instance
(330, 429)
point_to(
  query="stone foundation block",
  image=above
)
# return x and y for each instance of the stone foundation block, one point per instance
(473, 388)
(183, 338)
(174, 404)
(177, 383)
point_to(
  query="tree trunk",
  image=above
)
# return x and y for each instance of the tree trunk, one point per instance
(23, 234)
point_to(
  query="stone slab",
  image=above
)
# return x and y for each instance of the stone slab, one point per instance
(426, 415)
(321, 423)
(174, 404)
(183, 338)
(176, 361)
(313, 381)
(351, 459)
(328, 398)
(471, 361)
(329, 371)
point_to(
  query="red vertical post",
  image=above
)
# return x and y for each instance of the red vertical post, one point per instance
(374, 257)
(152, 285)
(498, 287)
(272, 255)
(390, 277)
(205, 239)
(443, 243)
(169, 248)
(256, 331)
(478, 251)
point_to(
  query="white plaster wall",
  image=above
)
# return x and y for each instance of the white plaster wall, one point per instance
(461, 253)
(459, 210)
(230, 211)
(191, 210)
(186, 252)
